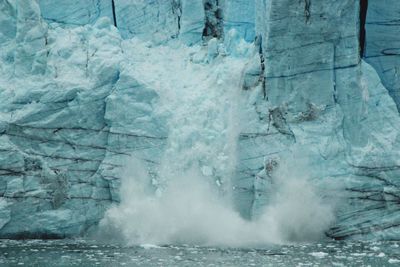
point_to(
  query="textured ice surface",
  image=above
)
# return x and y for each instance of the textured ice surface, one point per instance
(65, 126)
(75, 12)
(240, 15)
(79, 99)
(145, 18)
(155, 20)
(320, 102)
(383, 43)
(192, 21)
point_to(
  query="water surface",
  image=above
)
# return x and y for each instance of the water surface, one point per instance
(45, 253)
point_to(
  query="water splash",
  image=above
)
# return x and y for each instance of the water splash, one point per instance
(190, 211)
(192, 203)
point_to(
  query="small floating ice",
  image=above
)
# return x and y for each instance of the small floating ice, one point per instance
(149, 246)
(338, 264)
(319, 254)
(394, 261)
(359, 254)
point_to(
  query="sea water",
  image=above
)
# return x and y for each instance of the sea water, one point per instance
(46, 253)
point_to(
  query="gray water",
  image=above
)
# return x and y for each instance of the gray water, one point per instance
(46, 253)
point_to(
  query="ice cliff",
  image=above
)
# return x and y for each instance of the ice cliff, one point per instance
(235, 89)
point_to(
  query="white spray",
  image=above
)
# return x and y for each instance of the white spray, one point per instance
(194, 203)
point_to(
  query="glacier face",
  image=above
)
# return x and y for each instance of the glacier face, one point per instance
(80, 98)
(382, 44)
(325, 104)
(76, 12)
(64, 130)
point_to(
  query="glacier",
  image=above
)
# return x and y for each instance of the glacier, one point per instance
(109, 105)
(382, 44)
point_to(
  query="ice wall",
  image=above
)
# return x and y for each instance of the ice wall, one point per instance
(382, 49)
(75, 12)
(240, 15)
(65, 129)
(319, 101)
(303, 55)
(139, 18)
(157, 20)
